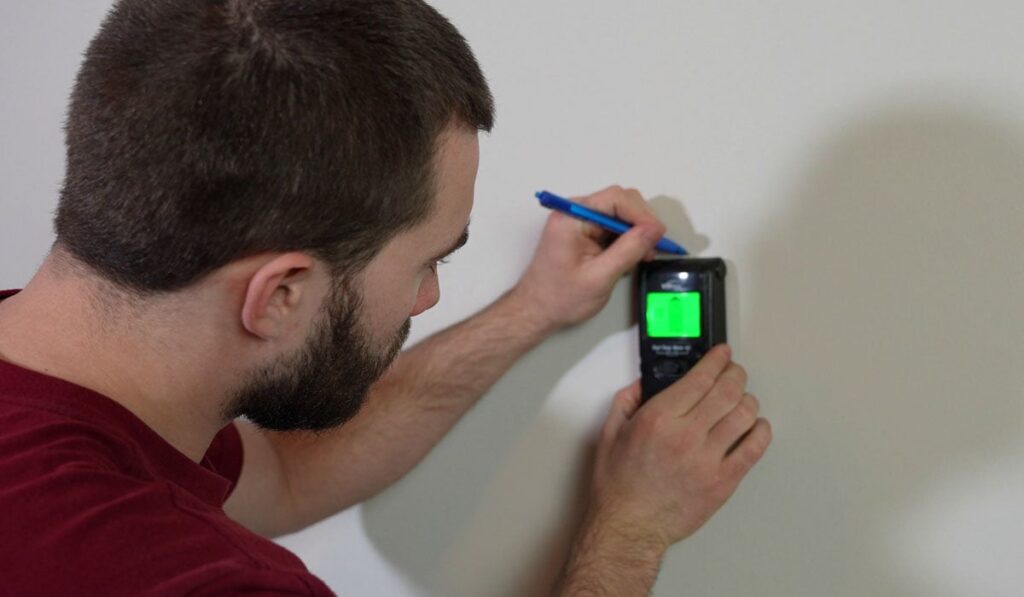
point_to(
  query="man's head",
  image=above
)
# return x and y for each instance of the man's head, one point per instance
(365, 318)
(322, 153)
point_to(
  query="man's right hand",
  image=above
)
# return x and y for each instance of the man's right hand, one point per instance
(661, 471)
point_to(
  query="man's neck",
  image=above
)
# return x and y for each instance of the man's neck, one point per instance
(156, 370)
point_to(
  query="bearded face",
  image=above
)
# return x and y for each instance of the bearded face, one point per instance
(325, 383)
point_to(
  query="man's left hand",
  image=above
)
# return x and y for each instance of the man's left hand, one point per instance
(572, 273)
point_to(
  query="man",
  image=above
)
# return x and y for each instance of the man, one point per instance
(257, 195)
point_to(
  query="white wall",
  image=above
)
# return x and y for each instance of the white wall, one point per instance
(860, 164)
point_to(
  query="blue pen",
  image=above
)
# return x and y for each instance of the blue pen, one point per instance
(552, 201)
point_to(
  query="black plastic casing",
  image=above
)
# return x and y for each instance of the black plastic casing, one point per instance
(665, 360)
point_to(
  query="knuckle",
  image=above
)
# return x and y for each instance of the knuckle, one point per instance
(741, 373)
(731, 389)
(745, 460)
(738, 470)
(637, 242)
(750, 457)
(747, 409)
(702, 382)
(741, 419)
(656, 225)
(753, 450)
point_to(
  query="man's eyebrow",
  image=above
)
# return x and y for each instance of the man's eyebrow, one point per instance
(462, 240)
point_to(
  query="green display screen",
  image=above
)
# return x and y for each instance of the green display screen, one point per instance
(673, 315)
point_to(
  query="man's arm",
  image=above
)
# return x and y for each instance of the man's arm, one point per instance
(604, 561)
(290, 480)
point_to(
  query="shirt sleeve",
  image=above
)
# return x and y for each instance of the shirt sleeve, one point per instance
(226, 455)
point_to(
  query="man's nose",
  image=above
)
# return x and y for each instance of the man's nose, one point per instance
(430, 294)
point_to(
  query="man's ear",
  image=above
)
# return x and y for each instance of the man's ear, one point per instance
(275, 294)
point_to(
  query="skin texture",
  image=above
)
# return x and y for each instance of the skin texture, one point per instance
(177, 360)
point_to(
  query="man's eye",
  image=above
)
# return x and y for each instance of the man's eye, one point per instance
(433, 266)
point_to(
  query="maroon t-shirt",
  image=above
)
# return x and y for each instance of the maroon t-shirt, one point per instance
(94, 502)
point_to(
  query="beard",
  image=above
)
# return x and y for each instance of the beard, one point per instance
(326, 382)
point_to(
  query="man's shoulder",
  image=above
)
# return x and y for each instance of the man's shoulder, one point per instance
(84, 512)
(79, 524)
(36, 441)
(69, 483)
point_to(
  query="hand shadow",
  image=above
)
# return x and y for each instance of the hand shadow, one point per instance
(679, 226)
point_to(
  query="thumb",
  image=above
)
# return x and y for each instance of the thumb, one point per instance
(624, 405)
(627, 251)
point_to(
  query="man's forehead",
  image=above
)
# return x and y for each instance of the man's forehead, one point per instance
(458, 158)
(457, 161)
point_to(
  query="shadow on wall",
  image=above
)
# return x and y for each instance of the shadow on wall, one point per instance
(883, 338)
(416, 523)
(424, 521)
(881, 331)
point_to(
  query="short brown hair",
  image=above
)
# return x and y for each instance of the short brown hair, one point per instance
(204, 131)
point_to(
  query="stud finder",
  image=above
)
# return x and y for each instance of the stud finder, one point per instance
(682, 317)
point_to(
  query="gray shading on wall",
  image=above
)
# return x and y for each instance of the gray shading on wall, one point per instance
(886, 312)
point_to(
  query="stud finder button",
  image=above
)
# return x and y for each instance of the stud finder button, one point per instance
(664, 369)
